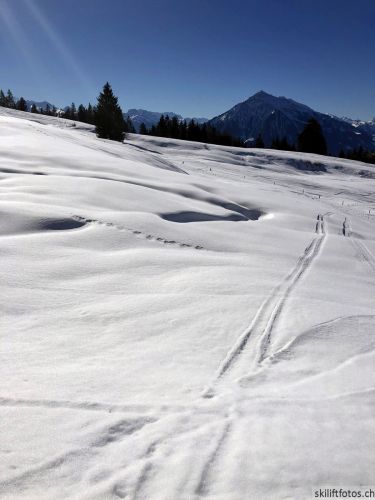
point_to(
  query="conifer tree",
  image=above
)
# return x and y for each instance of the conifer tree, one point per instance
(21, 104)
(81, 113)
(10, 102)
(34, 109)
(311, 139)
(129, 127)
(73, 112)
(109, 120)
(174, 127)
(3, 100)
(143, 129)
(90, 114)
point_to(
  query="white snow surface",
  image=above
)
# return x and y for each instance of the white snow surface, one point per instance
(181, 320)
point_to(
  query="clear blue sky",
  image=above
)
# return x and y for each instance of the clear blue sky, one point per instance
(194, 57)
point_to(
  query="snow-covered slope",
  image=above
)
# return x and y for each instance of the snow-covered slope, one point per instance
(278, 117)
(181, 320)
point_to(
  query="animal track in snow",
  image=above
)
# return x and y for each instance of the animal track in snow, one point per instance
(138, 233)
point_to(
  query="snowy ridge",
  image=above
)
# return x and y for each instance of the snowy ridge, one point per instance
(181, 320)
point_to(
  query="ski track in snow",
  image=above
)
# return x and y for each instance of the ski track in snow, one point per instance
(205, 478)
(90, 406)
(364, 252)
(266, 318)
(146, 441)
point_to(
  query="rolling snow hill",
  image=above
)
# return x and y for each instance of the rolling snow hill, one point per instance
(278, 117)
(181, 320)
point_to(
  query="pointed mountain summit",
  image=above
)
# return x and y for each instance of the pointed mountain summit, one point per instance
(278, 117)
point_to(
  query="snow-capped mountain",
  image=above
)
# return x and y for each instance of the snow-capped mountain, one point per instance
(150, 118)
(362, 125)
(39, 104)
(278, 117)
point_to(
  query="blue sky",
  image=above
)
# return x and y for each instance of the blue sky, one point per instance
(195, 57)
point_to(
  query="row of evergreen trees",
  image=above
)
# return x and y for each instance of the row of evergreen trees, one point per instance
(310, 140)
(190, 131)
(107, 105)
(107, 116)
(358, 154)
(110, 123)
(8, 101)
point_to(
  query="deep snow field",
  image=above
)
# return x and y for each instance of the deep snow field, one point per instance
(180, 320)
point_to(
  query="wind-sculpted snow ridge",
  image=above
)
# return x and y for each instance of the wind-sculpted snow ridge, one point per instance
(153, 347)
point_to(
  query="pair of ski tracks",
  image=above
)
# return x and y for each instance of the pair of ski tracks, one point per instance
(251, 348)
(242, 358)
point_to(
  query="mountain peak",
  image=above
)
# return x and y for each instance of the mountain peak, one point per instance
(277, 117)
(263, 97)
(262, 93)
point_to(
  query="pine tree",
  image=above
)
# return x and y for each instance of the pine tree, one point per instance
(311, 139)
(67, 113)
(161, 128)
(34, 109)
(81, 113)
(73, 112)
(2, 98)
(109, 120)
(10, 102)
(21, 104)
(129, 127)
(174, 128)
(143, 129)
(90, 114)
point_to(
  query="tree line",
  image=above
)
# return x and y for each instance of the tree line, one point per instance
(190, 131)
(107, 114)
(8, 101)
(359, 154)
(110, 123)
(310, 140)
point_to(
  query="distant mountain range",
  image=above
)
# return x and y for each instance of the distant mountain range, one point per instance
(278, 117)
(150, 118)
(38, 104)
(361, 125)
(272, 117)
